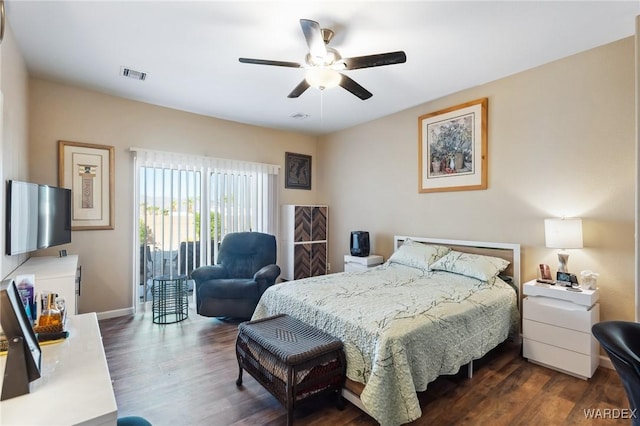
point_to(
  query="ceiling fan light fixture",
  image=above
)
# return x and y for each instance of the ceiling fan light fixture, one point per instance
(322, 78)
(339, 65)
(332, 56)
(324, 64)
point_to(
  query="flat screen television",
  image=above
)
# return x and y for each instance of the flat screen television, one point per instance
(24, 358)
(38, 216)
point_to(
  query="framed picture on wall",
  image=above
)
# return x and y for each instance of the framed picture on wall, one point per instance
(297, 171)
(87, 170)
(452, 148)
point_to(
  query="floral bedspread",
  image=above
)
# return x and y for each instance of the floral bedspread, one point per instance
(401, 327)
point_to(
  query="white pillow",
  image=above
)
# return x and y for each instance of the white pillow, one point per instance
(484, 268)
(417, 255)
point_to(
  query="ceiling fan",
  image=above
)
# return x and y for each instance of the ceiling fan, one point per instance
(323, 63)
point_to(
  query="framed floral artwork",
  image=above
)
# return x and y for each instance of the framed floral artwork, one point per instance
(452, 148)
(87, 170)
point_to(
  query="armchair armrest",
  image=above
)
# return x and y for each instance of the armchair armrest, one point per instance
(266, 277)
(209, 272)
(269, 273)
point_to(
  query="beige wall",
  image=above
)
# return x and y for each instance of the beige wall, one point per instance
(561, 142)
(13, 132)
(59, 112)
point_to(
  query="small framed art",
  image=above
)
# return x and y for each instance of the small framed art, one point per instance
(297, 171)
(87, 170)
(544, 272)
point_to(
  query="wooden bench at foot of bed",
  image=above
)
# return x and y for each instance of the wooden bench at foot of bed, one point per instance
(291, 359)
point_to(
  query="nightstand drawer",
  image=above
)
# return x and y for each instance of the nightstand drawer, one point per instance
(361, 263)
(555, 312)
(558, 358)
(355, 267)
(558, 336)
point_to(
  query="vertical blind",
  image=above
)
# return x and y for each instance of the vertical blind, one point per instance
(186, 204)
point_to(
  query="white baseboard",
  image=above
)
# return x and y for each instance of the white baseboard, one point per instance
(114, 314)
(606, 362)
(354, 399)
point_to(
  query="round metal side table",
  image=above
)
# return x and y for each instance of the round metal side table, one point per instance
(170, 299)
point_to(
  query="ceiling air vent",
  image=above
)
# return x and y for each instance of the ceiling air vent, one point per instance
(136, 75)
(299, 116)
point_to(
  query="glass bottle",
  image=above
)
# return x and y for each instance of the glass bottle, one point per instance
(51, 314)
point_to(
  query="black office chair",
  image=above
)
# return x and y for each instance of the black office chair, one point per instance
(621, 342)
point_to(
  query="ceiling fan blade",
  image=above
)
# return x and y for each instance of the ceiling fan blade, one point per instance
(269, 62)
(380, 59)
(353, 87)
(313, 35)
(299, 89)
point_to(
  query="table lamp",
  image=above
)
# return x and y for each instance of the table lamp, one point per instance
(565, 233)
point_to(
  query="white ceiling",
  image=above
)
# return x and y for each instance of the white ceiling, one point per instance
(190, 50)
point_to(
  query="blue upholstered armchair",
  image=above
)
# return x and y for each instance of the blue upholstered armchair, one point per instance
(246, 268)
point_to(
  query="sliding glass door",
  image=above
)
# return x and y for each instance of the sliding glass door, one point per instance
(169, 222)
(185, 207)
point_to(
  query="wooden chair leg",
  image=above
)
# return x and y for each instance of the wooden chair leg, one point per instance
(291, 392)
(239, 380)
(340, 400)
(290, 416)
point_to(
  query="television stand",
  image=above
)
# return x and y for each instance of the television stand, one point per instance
(56, 274)
(75, 385)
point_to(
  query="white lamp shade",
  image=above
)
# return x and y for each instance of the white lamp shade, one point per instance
(322, 78)
(563, 233)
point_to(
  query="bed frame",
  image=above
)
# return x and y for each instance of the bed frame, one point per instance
(507, 251)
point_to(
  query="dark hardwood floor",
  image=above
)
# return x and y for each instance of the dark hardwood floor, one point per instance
(184, 374)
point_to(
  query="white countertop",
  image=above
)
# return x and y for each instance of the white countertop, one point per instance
(74, 387)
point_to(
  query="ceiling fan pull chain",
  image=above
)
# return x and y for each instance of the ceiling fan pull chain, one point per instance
(321, 109)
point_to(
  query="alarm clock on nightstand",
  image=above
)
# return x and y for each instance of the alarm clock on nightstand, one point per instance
(566, 279)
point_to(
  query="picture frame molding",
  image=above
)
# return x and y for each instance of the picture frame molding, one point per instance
(474, 180)
(106, 195)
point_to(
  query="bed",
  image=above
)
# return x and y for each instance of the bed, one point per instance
(433, 307)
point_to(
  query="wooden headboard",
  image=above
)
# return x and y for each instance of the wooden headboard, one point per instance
(507, 251)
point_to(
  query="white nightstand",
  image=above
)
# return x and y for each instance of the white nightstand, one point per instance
(357, 263)
(556, 328)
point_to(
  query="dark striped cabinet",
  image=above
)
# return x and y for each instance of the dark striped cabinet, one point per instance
(303, 241)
